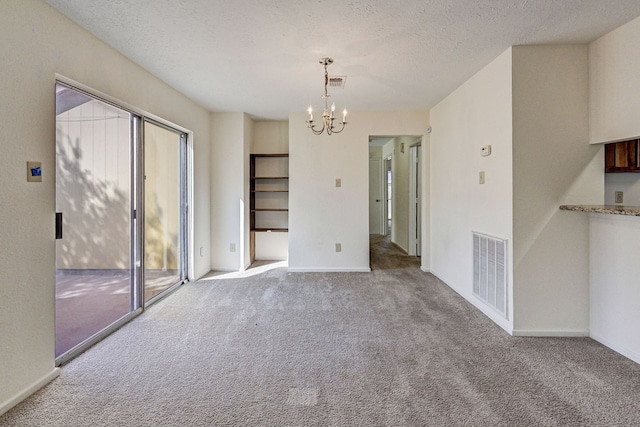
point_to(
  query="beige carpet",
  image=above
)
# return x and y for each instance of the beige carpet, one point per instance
(393, 347)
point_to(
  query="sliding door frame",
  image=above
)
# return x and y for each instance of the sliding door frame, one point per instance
(184, 211)
(138, 117)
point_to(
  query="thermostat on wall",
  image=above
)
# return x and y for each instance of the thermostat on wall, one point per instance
(34, 171)
(485, 151)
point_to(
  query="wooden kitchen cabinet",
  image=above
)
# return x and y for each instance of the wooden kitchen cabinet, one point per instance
(622, 156)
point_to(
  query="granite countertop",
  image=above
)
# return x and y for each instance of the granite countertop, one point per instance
(604, 209)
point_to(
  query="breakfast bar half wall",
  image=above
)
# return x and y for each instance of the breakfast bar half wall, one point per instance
(614, 276)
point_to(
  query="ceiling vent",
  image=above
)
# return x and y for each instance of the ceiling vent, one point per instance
(337, 82)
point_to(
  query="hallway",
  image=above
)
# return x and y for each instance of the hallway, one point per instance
(385, 255)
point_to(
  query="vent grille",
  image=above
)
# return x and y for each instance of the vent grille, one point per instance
(490, 271)
(337, 82)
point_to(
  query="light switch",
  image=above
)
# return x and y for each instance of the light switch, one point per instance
(338, 182)
(481, 177)
(338, 247)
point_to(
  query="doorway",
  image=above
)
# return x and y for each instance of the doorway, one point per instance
(400, 159)
(120, 239)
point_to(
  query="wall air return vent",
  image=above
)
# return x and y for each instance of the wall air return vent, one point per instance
(490, 271)
(337, 82)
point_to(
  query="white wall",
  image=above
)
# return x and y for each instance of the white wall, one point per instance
(401, 198)
(476, 114)
(321, 215)
(614, 61)
(37, 43)
(375, 152)
(245, 236)
(614, 67)
(615, 294)
(388, 148)
(628, 183)
(270, 137)
(229, 186)
(531, 106)
(553, 164)
(400, 192)
(426, 251)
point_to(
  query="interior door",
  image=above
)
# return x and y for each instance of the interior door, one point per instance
(164, 208)
(415, 208)
(388, 191)
(375, 197)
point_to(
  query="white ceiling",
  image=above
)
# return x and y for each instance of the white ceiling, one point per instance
(261, 57)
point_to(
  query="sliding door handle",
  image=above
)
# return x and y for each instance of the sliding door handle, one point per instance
(58, 225)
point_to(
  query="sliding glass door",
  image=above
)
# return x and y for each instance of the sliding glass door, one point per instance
(121, 222)
(164, 208)
(94, 224)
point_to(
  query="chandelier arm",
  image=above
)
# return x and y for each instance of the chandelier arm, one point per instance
(313, 128)
(338, 131)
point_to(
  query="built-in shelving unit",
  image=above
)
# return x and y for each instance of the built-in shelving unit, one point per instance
(269, 200)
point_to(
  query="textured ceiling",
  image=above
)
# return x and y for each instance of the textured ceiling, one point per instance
(261, 57)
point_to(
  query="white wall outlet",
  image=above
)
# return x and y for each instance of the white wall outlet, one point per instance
(481, 177)
(338, 182)
(619, 197)
(485, 151)
(338, 247)
(232, 247)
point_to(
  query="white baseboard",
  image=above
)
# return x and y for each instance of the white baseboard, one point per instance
(626, 352)
(224, 270)
(485, 309)
(4, 407)
(550, 333)
(425, 269)
(327, 270)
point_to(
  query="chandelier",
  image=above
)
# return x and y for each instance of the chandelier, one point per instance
(327, 114)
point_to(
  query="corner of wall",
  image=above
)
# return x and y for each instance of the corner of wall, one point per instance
(553, 164)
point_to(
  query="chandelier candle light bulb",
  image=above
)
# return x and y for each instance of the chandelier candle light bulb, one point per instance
(327, 114)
